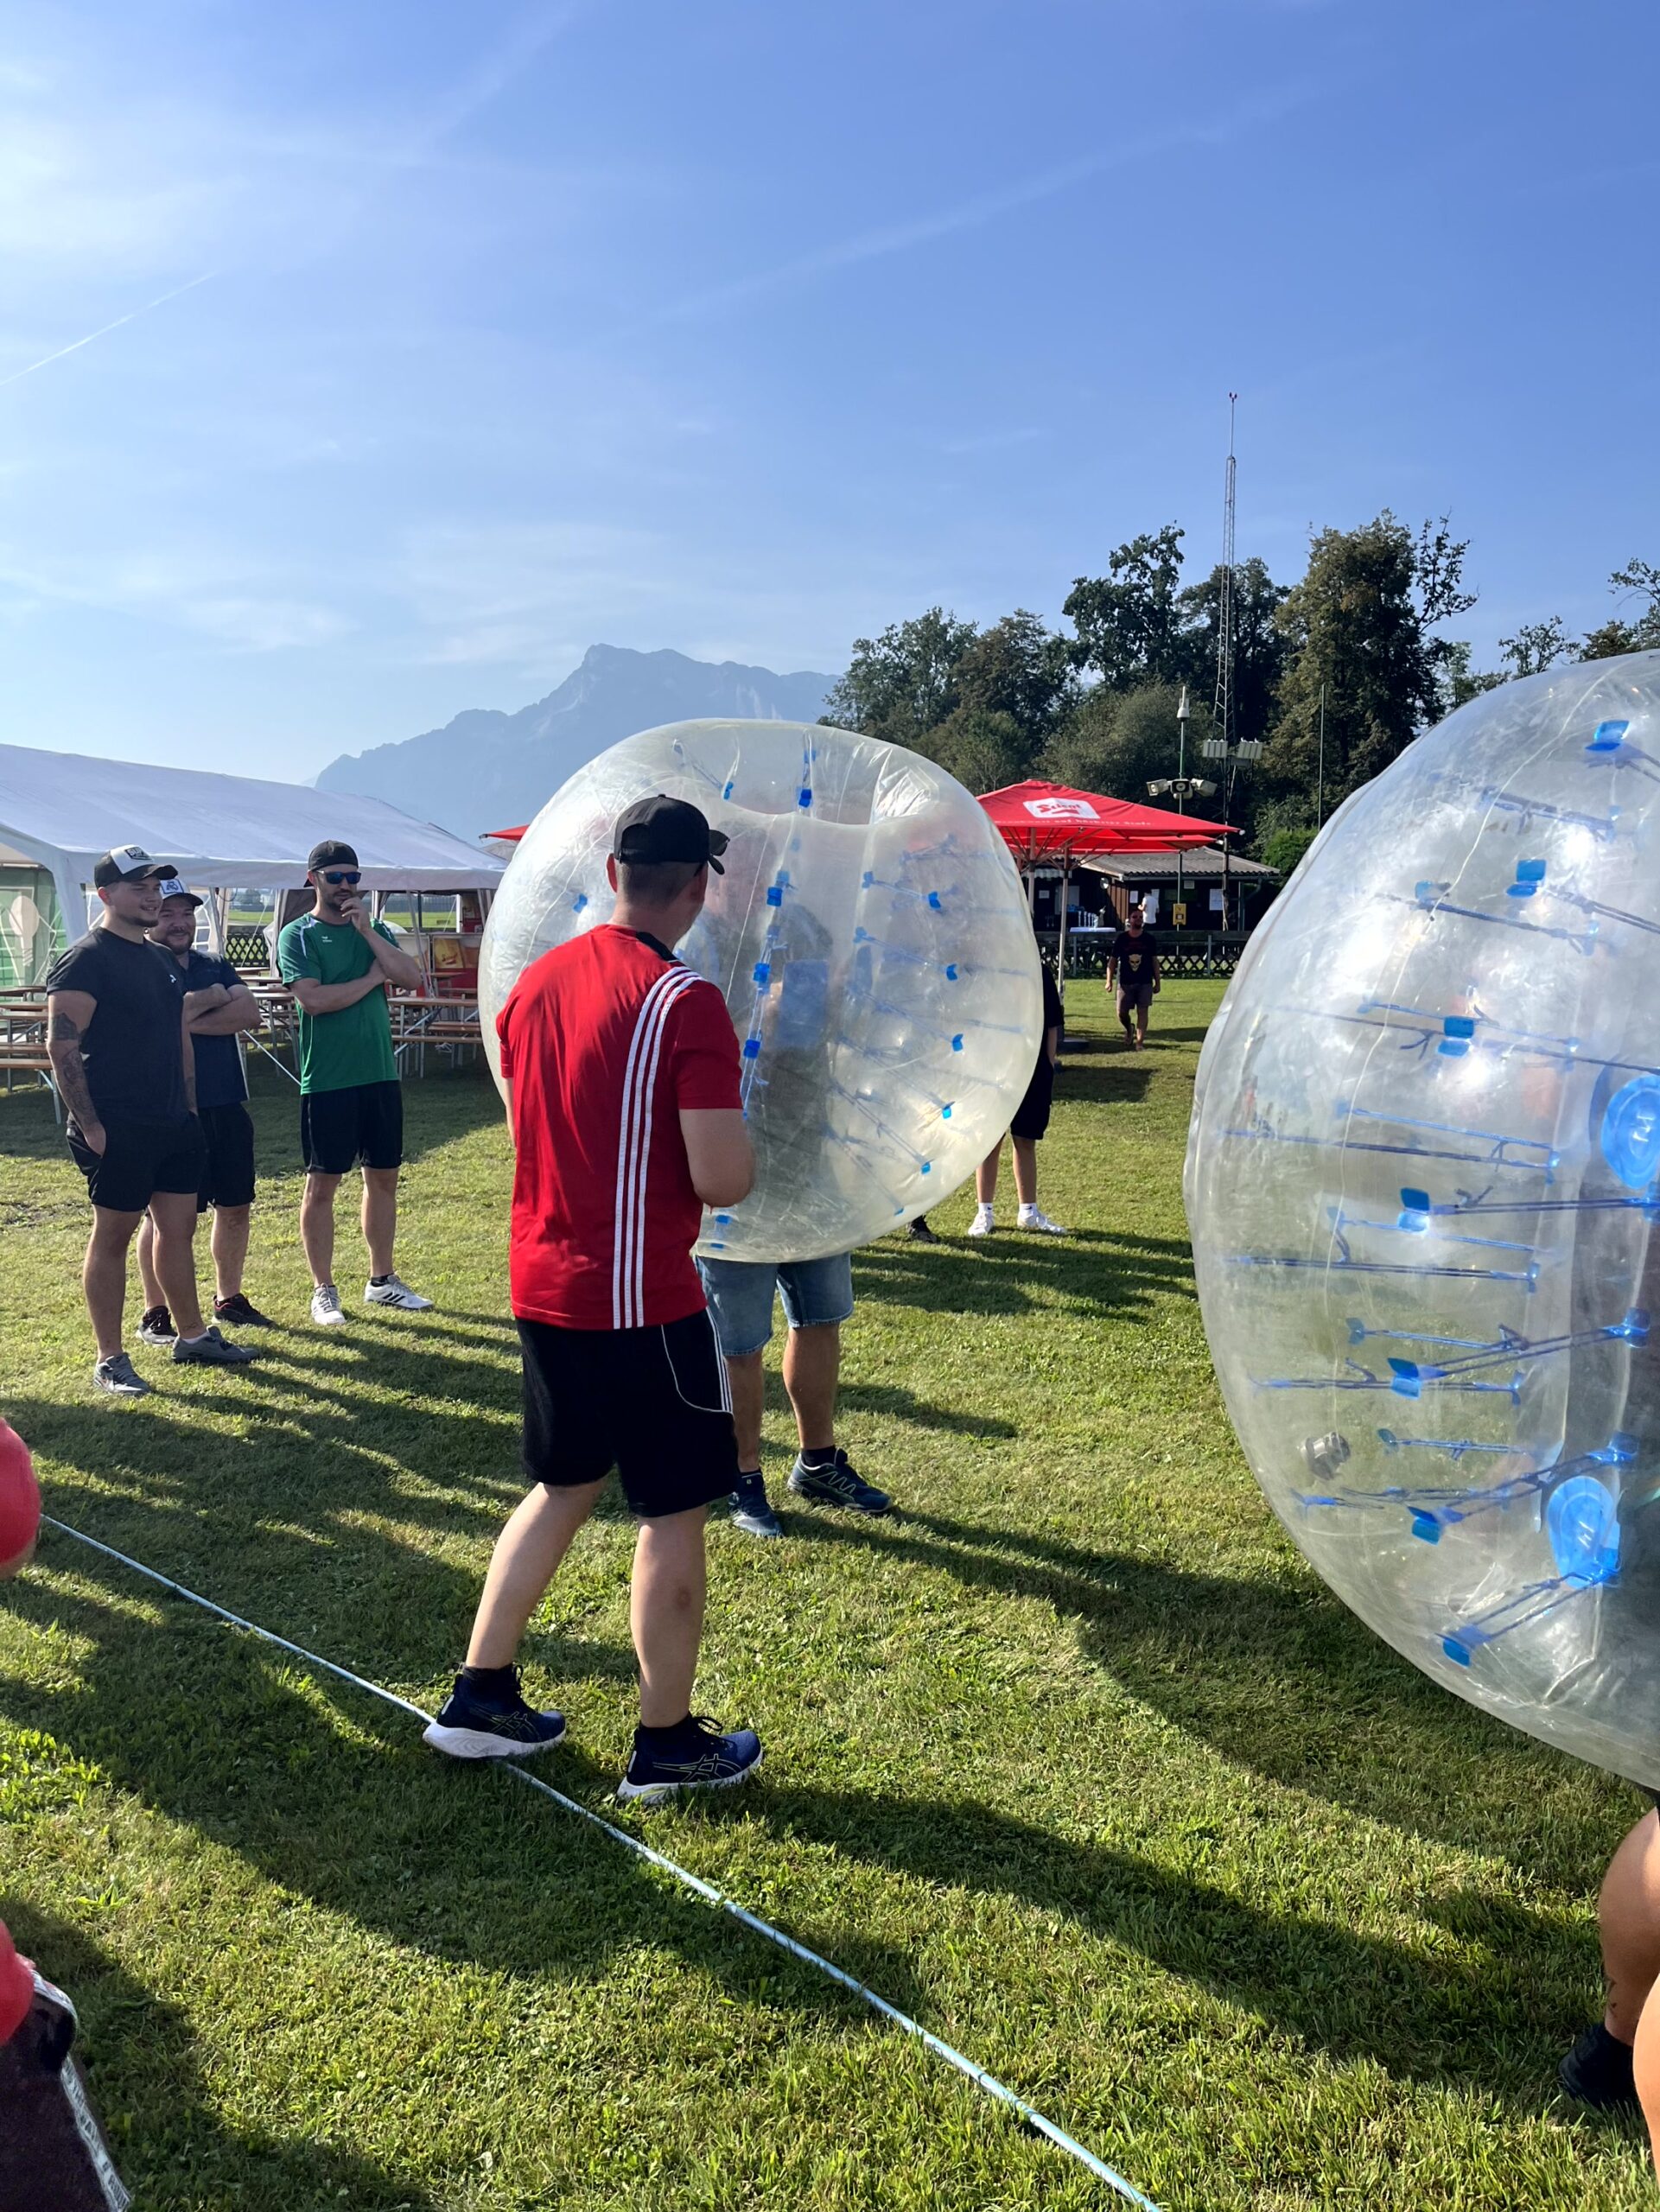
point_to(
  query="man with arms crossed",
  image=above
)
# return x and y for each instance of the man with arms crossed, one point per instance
(1135, 957)
(340, 965)
(622, 1072)
(119, 1042)
(218, 1005)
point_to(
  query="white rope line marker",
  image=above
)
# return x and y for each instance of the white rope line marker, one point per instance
(1027, 2113)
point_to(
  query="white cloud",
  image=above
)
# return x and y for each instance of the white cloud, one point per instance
(214, 596)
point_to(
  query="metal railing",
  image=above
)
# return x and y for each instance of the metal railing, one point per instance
(1182, 953)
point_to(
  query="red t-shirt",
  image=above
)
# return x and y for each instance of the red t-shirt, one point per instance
(605, 1040)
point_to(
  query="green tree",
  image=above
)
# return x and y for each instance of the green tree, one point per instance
(980, 746)
(903, 684)
(1610, 638)
(1117, 742)
(1130, 621)
(1537, 647)
(1020, 670)
(1358, 627)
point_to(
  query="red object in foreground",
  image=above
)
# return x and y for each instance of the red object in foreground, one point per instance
(507, 836)
(16, 1987)
(1052, 823)
(20, 1499)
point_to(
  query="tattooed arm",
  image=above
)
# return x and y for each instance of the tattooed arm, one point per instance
(67, 1013)
(190, 1051)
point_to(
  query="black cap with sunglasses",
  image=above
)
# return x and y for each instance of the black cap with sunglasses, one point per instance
(333, 853)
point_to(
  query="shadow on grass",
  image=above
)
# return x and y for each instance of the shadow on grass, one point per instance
(1274, 1673)
(142, 2061)
(1092, 1273)
(328, 1792)
(1427, 2016)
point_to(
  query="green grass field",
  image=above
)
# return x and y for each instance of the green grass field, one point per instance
(1071, 1757)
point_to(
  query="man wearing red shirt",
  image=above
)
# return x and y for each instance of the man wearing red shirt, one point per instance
(621, 1067)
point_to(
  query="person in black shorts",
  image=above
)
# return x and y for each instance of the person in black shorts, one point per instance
(622, 1074)
(1134, 959)
(1031, 1120)
(121, 1055)
(218, 1005)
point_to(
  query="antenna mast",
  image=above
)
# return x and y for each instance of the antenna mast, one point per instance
(1222, 711)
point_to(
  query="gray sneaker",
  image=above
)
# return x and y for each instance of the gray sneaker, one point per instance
(211, 1351)
(120, 1377)
(326, 1310)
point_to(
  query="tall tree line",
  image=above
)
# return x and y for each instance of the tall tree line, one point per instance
(1360, 644)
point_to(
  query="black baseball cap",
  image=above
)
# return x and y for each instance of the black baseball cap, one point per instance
(664, 829)
(332, 853)
(128, 864)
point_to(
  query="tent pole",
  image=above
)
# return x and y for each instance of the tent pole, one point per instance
(1061, 961)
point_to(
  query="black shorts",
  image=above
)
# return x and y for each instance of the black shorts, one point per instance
(652, 1403)
(1031, 1115)
(53, 2151)
(1135, 998)
(360, 1126)
(138, 1159)
(227, 1179)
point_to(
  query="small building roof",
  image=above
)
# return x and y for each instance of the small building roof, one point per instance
(1200, 864)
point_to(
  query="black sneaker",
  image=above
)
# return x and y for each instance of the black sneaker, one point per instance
(474, 1725)
(157, 1327)
(750, 1510)
(696, 1756)
(241, 1313)
(919, 1232)
(1598, 2072)
(120, 1377)
(210, 1350)
(837, 1482)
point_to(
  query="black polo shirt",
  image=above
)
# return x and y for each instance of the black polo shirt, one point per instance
(133, 1046)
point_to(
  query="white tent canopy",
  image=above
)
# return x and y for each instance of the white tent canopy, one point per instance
(62, 810)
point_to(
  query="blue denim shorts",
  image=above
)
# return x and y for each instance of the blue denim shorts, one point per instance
(740, 1292)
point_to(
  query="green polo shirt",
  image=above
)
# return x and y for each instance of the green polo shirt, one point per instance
(338, 1050)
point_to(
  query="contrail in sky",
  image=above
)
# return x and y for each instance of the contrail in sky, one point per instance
(132, 317)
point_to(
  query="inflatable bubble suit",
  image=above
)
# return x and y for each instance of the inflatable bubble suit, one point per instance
(873, 945)
(1423, 1181)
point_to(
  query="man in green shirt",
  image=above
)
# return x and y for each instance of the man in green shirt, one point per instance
(339, 964)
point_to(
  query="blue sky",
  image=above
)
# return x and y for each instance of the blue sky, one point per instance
(747, 327)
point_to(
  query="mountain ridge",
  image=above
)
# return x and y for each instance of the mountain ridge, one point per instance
(489, 769)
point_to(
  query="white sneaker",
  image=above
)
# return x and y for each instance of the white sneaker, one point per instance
(396, 1292)
(1034, 1217)
(326, 1309)
(983, 1222)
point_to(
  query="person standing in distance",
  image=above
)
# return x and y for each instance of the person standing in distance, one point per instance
(119, 1039)
(339, 966)
(1031, 1120)
(620, 1066)
(218, 1005)
(1134, 959)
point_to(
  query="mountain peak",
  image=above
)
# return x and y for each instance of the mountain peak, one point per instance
(486, 768)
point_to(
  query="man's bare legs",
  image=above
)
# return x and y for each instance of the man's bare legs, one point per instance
(1628, 1922)
(150, 1281)
(1026, 1173)
(174, 1213)
(229, 1247)
(380, 1216)
(104, 1277)
(525, 1559)
(812, 1368)
(666, 1607)
(317, 1226)
(665, 1613)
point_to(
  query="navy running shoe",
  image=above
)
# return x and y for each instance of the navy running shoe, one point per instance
(474, 1725)
(1598, 2072)
(750, 1510)
(837, 1481)
(696, 1755)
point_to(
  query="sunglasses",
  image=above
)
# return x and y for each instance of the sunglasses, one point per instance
(336, 877)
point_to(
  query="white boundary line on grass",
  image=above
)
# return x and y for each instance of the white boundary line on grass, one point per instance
(977, 2075)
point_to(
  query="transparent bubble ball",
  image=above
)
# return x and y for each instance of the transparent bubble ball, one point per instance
(1422, 1182)
(872, 941)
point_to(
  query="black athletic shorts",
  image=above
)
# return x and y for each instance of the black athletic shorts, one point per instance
(1031, 1115)
(360, 1127)
(652, 1403)
(138, 1159)
(227, 1178)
